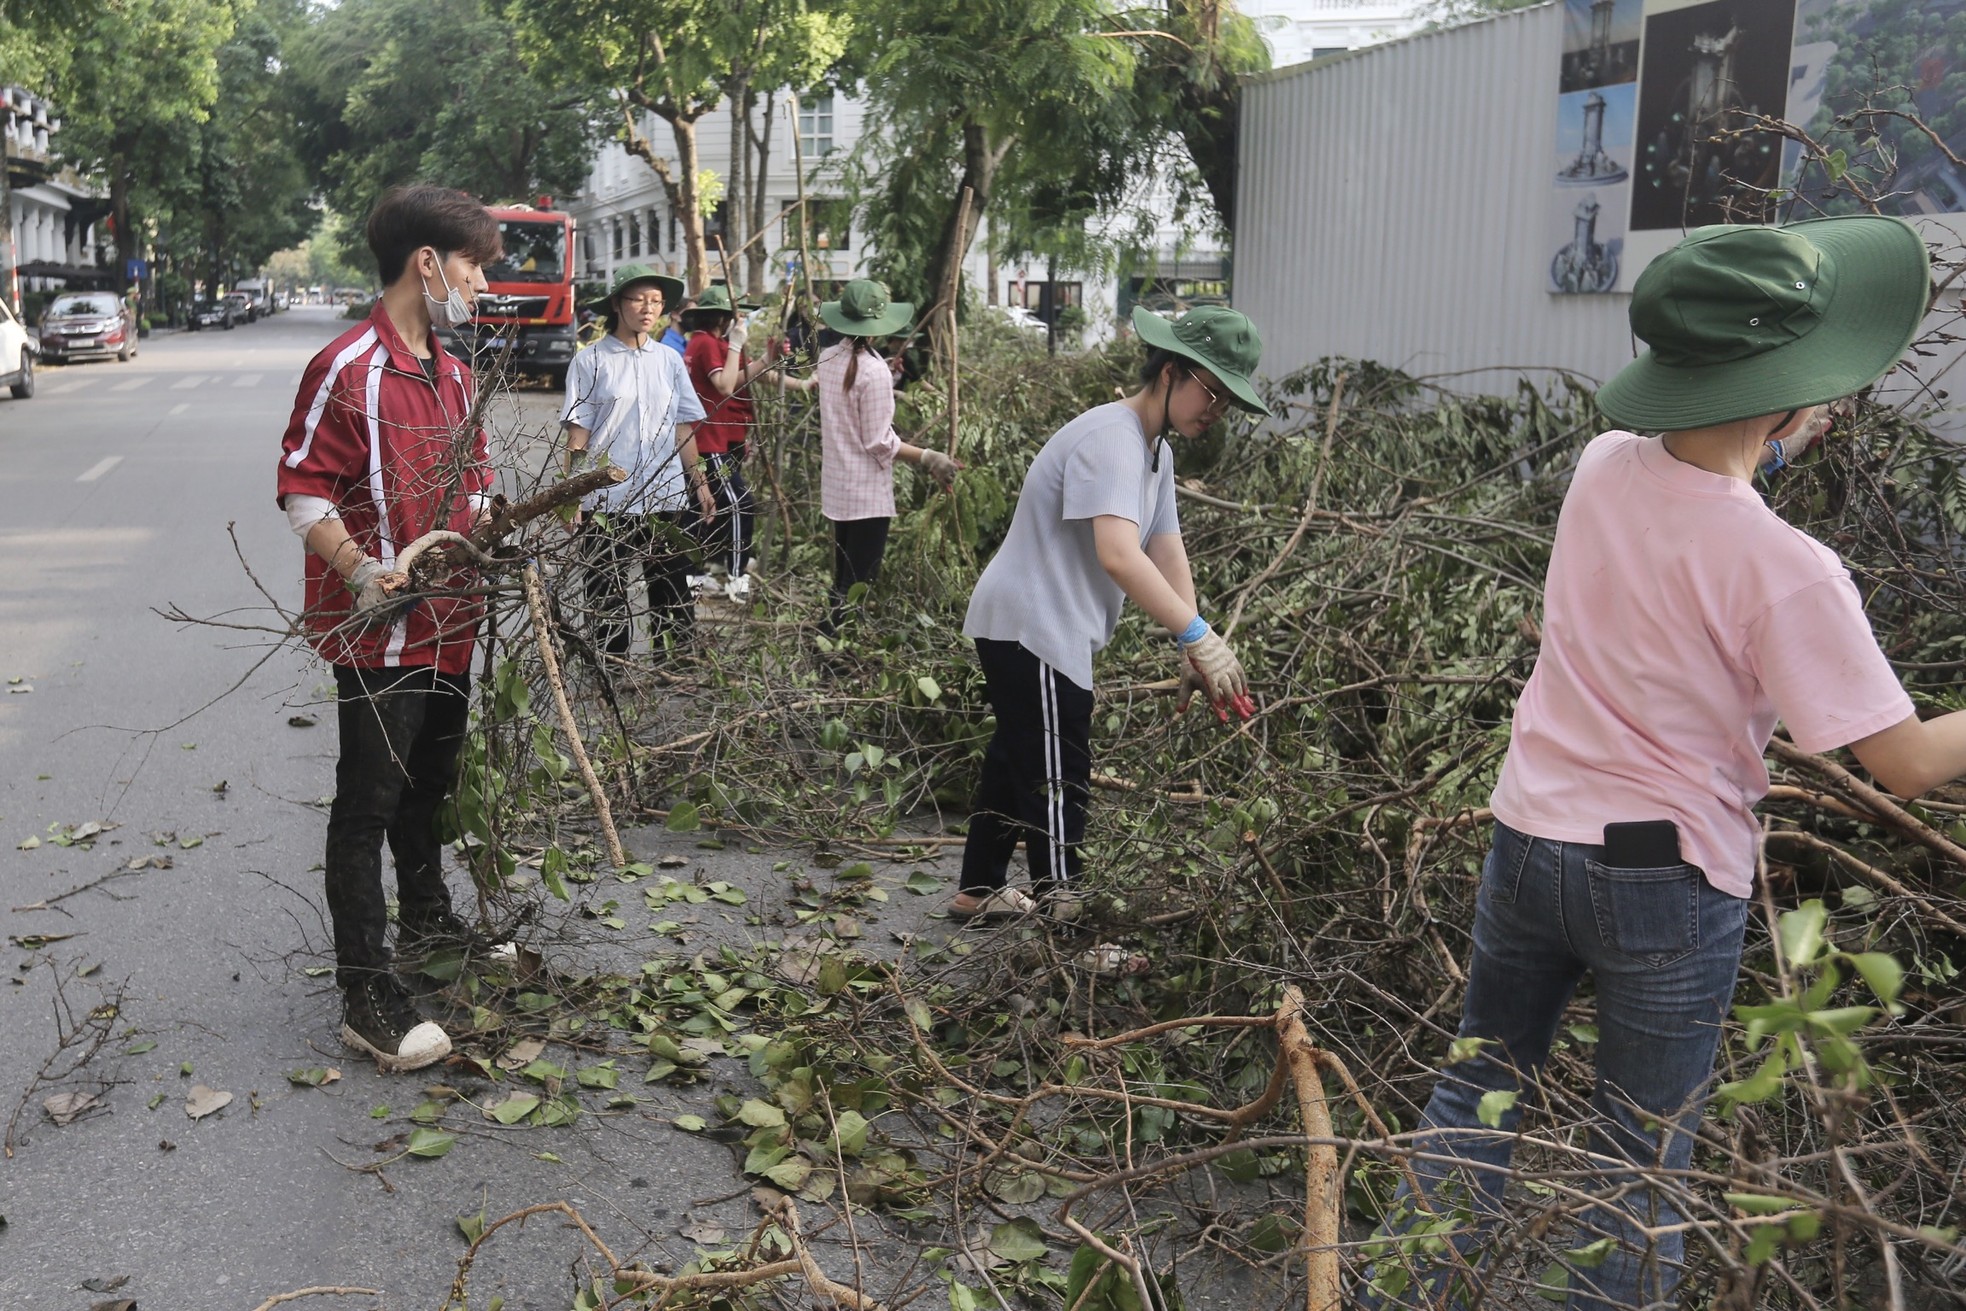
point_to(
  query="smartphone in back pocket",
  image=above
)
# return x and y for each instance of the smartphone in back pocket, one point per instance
(1642, 844)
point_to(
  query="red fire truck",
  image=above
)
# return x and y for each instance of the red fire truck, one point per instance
(526, 314)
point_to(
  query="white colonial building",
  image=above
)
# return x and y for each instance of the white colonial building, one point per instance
(51, 236)
(623, 217)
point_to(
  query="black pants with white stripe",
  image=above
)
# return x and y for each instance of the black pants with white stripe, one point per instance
(1037, 773)
(731, 534)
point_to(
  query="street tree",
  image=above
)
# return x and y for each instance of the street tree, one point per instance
(393, 91)
(139, 75)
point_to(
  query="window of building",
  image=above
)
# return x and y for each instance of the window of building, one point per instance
(587, 250)
(1325, 52)
(617, 241)
(1045, 299)
(816, 124)
(829, 222)
(634, 236)
(717, 222)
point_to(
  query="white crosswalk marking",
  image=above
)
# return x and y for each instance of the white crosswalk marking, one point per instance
(180, 407)
(131, 384)
(67, 384)
(99, 468)
(186, 384)
(247, 380)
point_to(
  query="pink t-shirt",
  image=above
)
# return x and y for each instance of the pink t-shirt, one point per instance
(1681, 618)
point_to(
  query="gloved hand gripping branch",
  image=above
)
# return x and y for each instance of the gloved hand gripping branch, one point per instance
(1211, 667)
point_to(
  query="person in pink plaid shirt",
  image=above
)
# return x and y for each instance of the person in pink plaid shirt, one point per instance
(860, 446)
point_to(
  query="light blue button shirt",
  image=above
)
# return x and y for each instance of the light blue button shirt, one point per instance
(630, 401)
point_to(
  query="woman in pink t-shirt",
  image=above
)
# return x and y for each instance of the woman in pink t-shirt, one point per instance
(1682, 619)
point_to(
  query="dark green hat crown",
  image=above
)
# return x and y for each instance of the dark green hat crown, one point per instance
(629, 274)
(718, 298)
(864, 310)
(1744, 322)
(1220, 339)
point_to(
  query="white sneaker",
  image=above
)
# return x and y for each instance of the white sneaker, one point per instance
(702, 583)
(737, 588)
(379, 1020)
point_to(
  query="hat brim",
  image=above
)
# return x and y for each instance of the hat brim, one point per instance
(1158, 332)
(896, 318)
(1883, 285)
(673, 292)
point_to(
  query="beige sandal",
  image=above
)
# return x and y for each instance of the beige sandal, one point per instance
(1004, 903)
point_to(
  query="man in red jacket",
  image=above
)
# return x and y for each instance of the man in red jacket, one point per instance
(378, 453)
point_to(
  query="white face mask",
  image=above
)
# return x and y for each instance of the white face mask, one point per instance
(452, 311)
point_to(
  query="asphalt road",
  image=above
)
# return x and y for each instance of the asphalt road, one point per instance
(123, 488)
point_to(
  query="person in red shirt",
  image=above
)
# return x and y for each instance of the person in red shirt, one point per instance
(722, 373)
(380, 450)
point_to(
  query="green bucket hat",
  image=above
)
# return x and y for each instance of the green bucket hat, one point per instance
(1746, 321)
(673, 290)
(1219, 339)
(863, 310)
(718, 299)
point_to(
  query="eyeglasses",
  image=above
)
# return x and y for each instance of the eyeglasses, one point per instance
(1216, 400)
(651, 301)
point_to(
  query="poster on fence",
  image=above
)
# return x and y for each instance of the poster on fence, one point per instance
(1596, 97)
(1880, 94)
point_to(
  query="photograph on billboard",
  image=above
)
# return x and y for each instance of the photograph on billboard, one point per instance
(1709, 69)
(1592, 165)
(1600, 43)
(1871, 77)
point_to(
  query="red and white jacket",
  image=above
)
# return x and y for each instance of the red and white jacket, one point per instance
(376, 437)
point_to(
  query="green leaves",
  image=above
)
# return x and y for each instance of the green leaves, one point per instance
(1493, 1105)
(1801, 933)
(430, 1144)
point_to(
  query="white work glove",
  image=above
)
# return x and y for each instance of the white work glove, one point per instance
(738, 335)
(374, 585)
(1219, 675)
(940, 467)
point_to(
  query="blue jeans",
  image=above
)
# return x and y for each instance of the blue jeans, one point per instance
(1663, 946)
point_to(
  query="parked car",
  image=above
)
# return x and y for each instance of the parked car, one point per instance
(244, 308)
(1019, 317)
(210, 314)
(261, 296)
(18, 348)
(87, 325)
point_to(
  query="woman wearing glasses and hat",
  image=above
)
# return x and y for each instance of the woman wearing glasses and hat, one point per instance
(722, 373)
(1095, 525)
(630, 397)
(1682, 619)
(859, 444)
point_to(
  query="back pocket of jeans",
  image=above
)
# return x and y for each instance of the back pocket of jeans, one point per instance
(1651, 915)
(1501, 872)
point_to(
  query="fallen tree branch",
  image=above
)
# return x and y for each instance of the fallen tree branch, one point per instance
(542, 632)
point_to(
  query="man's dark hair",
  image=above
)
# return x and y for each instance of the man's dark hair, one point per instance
(407, 219)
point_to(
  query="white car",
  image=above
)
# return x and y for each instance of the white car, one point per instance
(1019, 317)
(18, 347)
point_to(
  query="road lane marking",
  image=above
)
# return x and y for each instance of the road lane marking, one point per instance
(131, 384)
(186, 384)
(99, 468)
(69, 384)
(247, 380)
(180, 407)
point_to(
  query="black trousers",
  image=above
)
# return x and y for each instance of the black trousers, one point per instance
(858, 548)
(616, 545)
(401, 732)
(730, 537)
(1037, 773)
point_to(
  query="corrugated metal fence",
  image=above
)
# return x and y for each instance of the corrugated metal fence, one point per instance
(1395, 206)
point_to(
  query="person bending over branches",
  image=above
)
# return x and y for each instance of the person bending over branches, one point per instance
(1682, 618)
(376, 455)
(1095, 524)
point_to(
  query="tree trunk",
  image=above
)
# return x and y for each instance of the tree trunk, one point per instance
(734, 183)
(756, 256)
(980, 162)
(696, 261)
(119, 207)
(678, 181)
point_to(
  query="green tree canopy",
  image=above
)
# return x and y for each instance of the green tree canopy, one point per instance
(392, 91)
